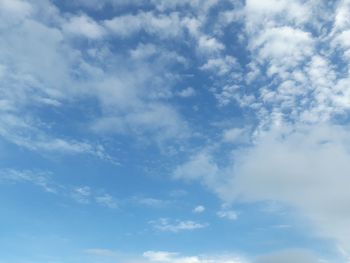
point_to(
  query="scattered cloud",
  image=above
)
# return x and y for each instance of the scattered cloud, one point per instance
(187, 92)
(151, 202)
(41, 179)
(107, 200)
(228, 214)
(82, 194)
(199, 209)
(163, 256)
(167, 225)
(84, 26)
(235, 135)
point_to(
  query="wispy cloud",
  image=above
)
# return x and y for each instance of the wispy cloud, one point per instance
(40, 179)
(167, 225)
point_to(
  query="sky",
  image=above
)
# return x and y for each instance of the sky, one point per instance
(174, 131)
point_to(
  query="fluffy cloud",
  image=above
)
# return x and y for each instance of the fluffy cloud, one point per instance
(164, 26)
(186, 93)
(84, 26)
(199, 209)
(304, 168)
(51, 71)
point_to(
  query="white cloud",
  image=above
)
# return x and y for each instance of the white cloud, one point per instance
(83, 25)
(187, 92)
(163, 256)
(107, 200)
(157, 120)
(163, 26)
(293, 255)
(82, 194)
(227, 94)
(199, 209)
(41, 179)
(50, 72)
(341, 20)
(220, 66)
(303, 167)
(283, 45)
(99, 4)
(208, 45)
(235, 135)
(166, 225)
(101, 252)
(274, 12)
(228, 214)
(15, 9)
(200, 166)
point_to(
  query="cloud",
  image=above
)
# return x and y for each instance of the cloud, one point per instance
(303, 167)
(163, 26)
(82, 194)
(199, 209)
(306, 170)
(261, 13)
(200, 166)
(187, 92)
(41, 179)
(83, 25)
(87, 195)
(228, 214)
(106, 200)
(208, 45)
(166, 225)
(45, 180)
(151, 202)
(235, 135)
(53, 71)
(163, 256)
(289, 256)
(220, 66)
(15, 9)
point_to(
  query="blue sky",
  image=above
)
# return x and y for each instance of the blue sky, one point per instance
(183, 131)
